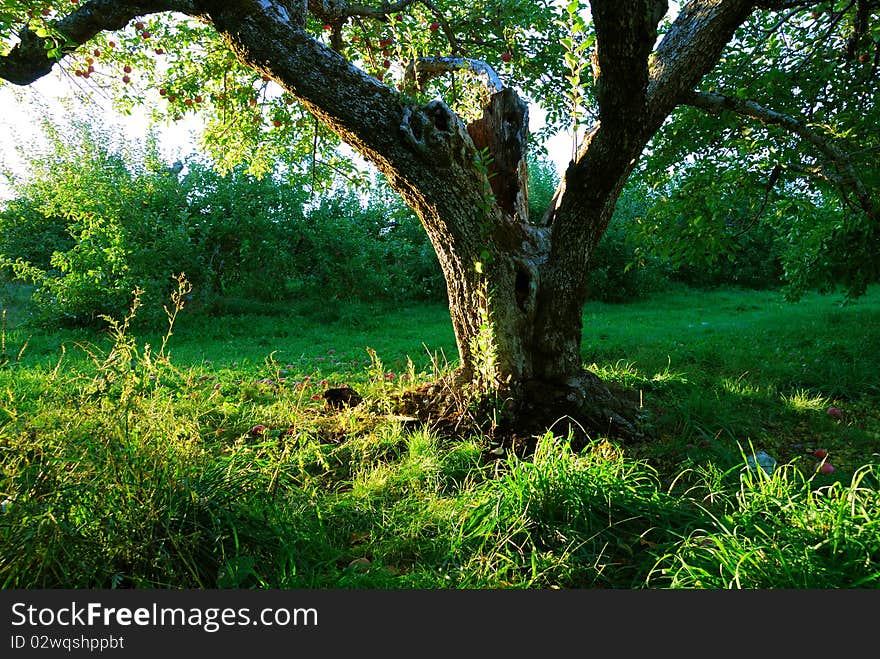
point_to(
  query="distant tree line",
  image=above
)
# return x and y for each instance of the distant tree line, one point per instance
(90, 223)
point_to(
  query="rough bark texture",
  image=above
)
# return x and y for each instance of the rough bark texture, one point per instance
(516, 284)
(503, 131)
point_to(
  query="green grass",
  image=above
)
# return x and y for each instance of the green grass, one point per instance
(123, 466)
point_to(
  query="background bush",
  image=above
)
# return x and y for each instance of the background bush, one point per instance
(93, 221)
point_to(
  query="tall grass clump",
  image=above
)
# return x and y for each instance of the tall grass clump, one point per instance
(111, 483)
(780, 530)
(564, 520)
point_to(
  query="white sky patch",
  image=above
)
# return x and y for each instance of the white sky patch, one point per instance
(25, 108)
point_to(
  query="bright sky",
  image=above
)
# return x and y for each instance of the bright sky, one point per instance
(23, 108)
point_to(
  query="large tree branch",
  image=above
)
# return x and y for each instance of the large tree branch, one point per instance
(689, 50)
(335, 11)
(785, 4)
(625, 34)
(367, 114)
(29, 60)
(424, 150)
(847, 179)
(637, 92)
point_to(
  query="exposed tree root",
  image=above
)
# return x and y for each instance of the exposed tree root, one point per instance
(584, 408)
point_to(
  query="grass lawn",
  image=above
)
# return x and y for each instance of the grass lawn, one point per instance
(123, 464)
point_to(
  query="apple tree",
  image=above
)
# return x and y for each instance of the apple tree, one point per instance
(431, 93)
(772, 167)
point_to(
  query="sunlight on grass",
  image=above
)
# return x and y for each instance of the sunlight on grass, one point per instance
(782, 533)
(621, 371)
(805, 401)
(667, 375)
(120, 470)
(740, 386)
(627, 374)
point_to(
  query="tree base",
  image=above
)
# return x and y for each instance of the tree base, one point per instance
(584, 408)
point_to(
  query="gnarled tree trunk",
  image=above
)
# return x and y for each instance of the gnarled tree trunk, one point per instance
(516, 284)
